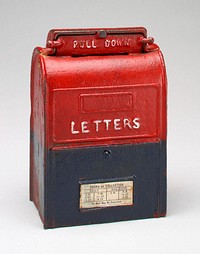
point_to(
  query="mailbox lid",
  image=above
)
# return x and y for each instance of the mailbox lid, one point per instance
(96, 41)
(105, 99)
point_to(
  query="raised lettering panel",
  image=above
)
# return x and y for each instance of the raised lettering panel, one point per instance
(111, 113)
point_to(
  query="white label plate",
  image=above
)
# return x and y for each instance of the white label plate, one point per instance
(107, 194)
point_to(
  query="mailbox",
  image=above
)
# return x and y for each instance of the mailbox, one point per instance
(98, 127)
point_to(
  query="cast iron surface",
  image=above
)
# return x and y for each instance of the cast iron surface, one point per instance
(145, 163)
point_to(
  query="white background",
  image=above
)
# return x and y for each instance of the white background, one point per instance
(175, 25)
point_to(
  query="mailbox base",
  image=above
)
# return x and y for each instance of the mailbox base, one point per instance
(105, 184)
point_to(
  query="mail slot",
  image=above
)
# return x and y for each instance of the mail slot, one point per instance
(98, 127)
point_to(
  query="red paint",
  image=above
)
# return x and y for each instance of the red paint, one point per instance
(157, 215)
(121, 112)
(99, 98)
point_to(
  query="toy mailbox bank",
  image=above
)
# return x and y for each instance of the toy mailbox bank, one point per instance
(98, 127)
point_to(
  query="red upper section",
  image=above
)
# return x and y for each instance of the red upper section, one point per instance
(103, 99)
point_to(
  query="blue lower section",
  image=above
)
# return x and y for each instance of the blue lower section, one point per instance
(144, 163)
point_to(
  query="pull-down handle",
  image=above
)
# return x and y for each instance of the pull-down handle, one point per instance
(93, 41)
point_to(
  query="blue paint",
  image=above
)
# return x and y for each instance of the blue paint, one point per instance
(145, 162)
